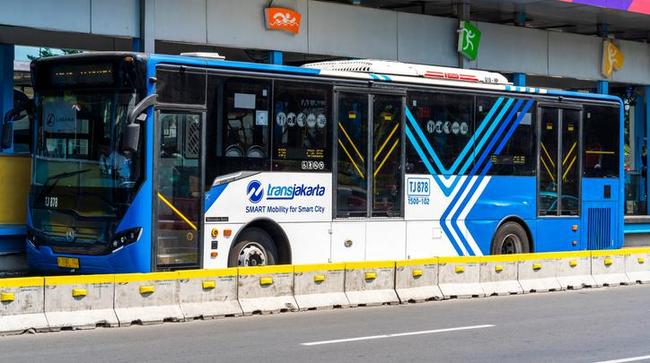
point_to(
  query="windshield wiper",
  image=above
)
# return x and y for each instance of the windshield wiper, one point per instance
(47, 188)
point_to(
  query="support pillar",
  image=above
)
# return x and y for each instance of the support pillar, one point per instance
(602, 87)
(6, 83)
(148, 26)
(519, 79)
(276, 57)
(645, 110)
(463, 14)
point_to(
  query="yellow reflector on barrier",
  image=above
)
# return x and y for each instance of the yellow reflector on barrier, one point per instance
(79, 292)
(498, 268)
(537, 266)
(640, 260)
(459, 269)
(147, 289)
(417, 273)
(265, 281)
(370, 275)
(7, 297)
(608, 261)
(208, 284)
(319, 278)
(573, 263)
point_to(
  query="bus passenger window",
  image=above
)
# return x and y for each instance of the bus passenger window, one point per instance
(245, 144)
(600, 137)
(518, 154)
(443, 123)
(301, 124)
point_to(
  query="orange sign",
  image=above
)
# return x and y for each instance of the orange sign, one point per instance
(613, 58)
(282, 19)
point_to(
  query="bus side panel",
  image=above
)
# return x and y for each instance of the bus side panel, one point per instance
(600, 206)
(310, 242)
(503, 197)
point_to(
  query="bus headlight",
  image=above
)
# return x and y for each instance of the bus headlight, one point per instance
(125, 238)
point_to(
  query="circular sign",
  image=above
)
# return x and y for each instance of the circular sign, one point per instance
(281, 119)
(446, 127)
(455, 128)
(431, 126)
(311, 120)
(291, 119)
(321, 121)
(439, 127)
(300, 119)
(464, 128)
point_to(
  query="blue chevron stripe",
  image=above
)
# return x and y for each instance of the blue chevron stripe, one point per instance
(468, 146)
(448, 190)
(483, 160)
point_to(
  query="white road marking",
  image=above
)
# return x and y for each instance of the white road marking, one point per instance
(383, 336)
(623, 360)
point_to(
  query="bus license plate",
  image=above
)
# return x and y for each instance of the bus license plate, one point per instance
(67, 262)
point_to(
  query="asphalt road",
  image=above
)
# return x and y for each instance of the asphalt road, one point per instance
(577, 326)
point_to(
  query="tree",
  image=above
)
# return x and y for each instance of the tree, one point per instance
(47, 52)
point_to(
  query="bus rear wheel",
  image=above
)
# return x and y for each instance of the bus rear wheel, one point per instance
(254, 247)
(510, 238)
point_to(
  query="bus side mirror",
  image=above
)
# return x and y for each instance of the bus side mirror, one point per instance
(132, 136)
(135, 116)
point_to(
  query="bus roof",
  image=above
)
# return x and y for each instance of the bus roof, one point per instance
(389, 72)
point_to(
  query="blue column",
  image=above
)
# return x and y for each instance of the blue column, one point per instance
(519, 79)
(6, 81)
(276, 57)
(602, 87)
(638, 123)
(136, 45)
(646, 114)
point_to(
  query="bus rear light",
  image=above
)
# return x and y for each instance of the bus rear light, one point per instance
(214, 233)
(227, 232)
(214, 254)
(574, 228)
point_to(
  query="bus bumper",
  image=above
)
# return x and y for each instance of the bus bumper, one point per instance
(43, 259)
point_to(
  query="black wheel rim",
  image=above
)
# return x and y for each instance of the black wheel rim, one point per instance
(510, 244)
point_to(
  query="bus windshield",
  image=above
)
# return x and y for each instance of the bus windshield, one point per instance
(82, 131)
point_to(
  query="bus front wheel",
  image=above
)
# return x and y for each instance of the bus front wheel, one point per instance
(254, 247)
(510, 238)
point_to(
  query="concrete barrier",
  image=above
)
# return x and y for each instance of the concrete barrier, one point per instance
(370, 283)
(608, 267)
(459, 277)
(266, 289)
(21, 305)
(320, 286)
(537, 272)
(498, 275)
(574, 271)
(637, 265)
(80, 302)
(208, 293)
(417, 280)
(147, 298)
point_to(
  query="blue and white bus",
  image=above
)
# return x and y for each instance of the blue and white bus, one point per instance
(157, 162)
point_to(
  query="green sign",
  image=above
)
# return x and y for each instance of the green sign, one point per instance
(469, 39)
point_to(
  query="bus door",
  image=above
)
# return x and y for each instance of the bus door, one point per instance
(558, 181)
(368, 214)
(178, 189)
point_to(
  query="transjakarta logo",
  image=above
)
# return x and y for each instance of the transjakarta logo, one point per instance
(255, 191)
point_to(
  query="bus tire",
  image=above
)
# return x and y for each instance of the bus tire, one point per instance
(510, 238)
(254, 247)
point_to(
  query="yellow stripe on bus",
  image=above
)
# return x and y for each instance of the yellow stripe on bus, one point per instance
(547, 169)
(569, 153)
(385, 142)
(351, 142)
(351, 160)
(548, 155)
(386, 157)
(568, 169)
(178, 213)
